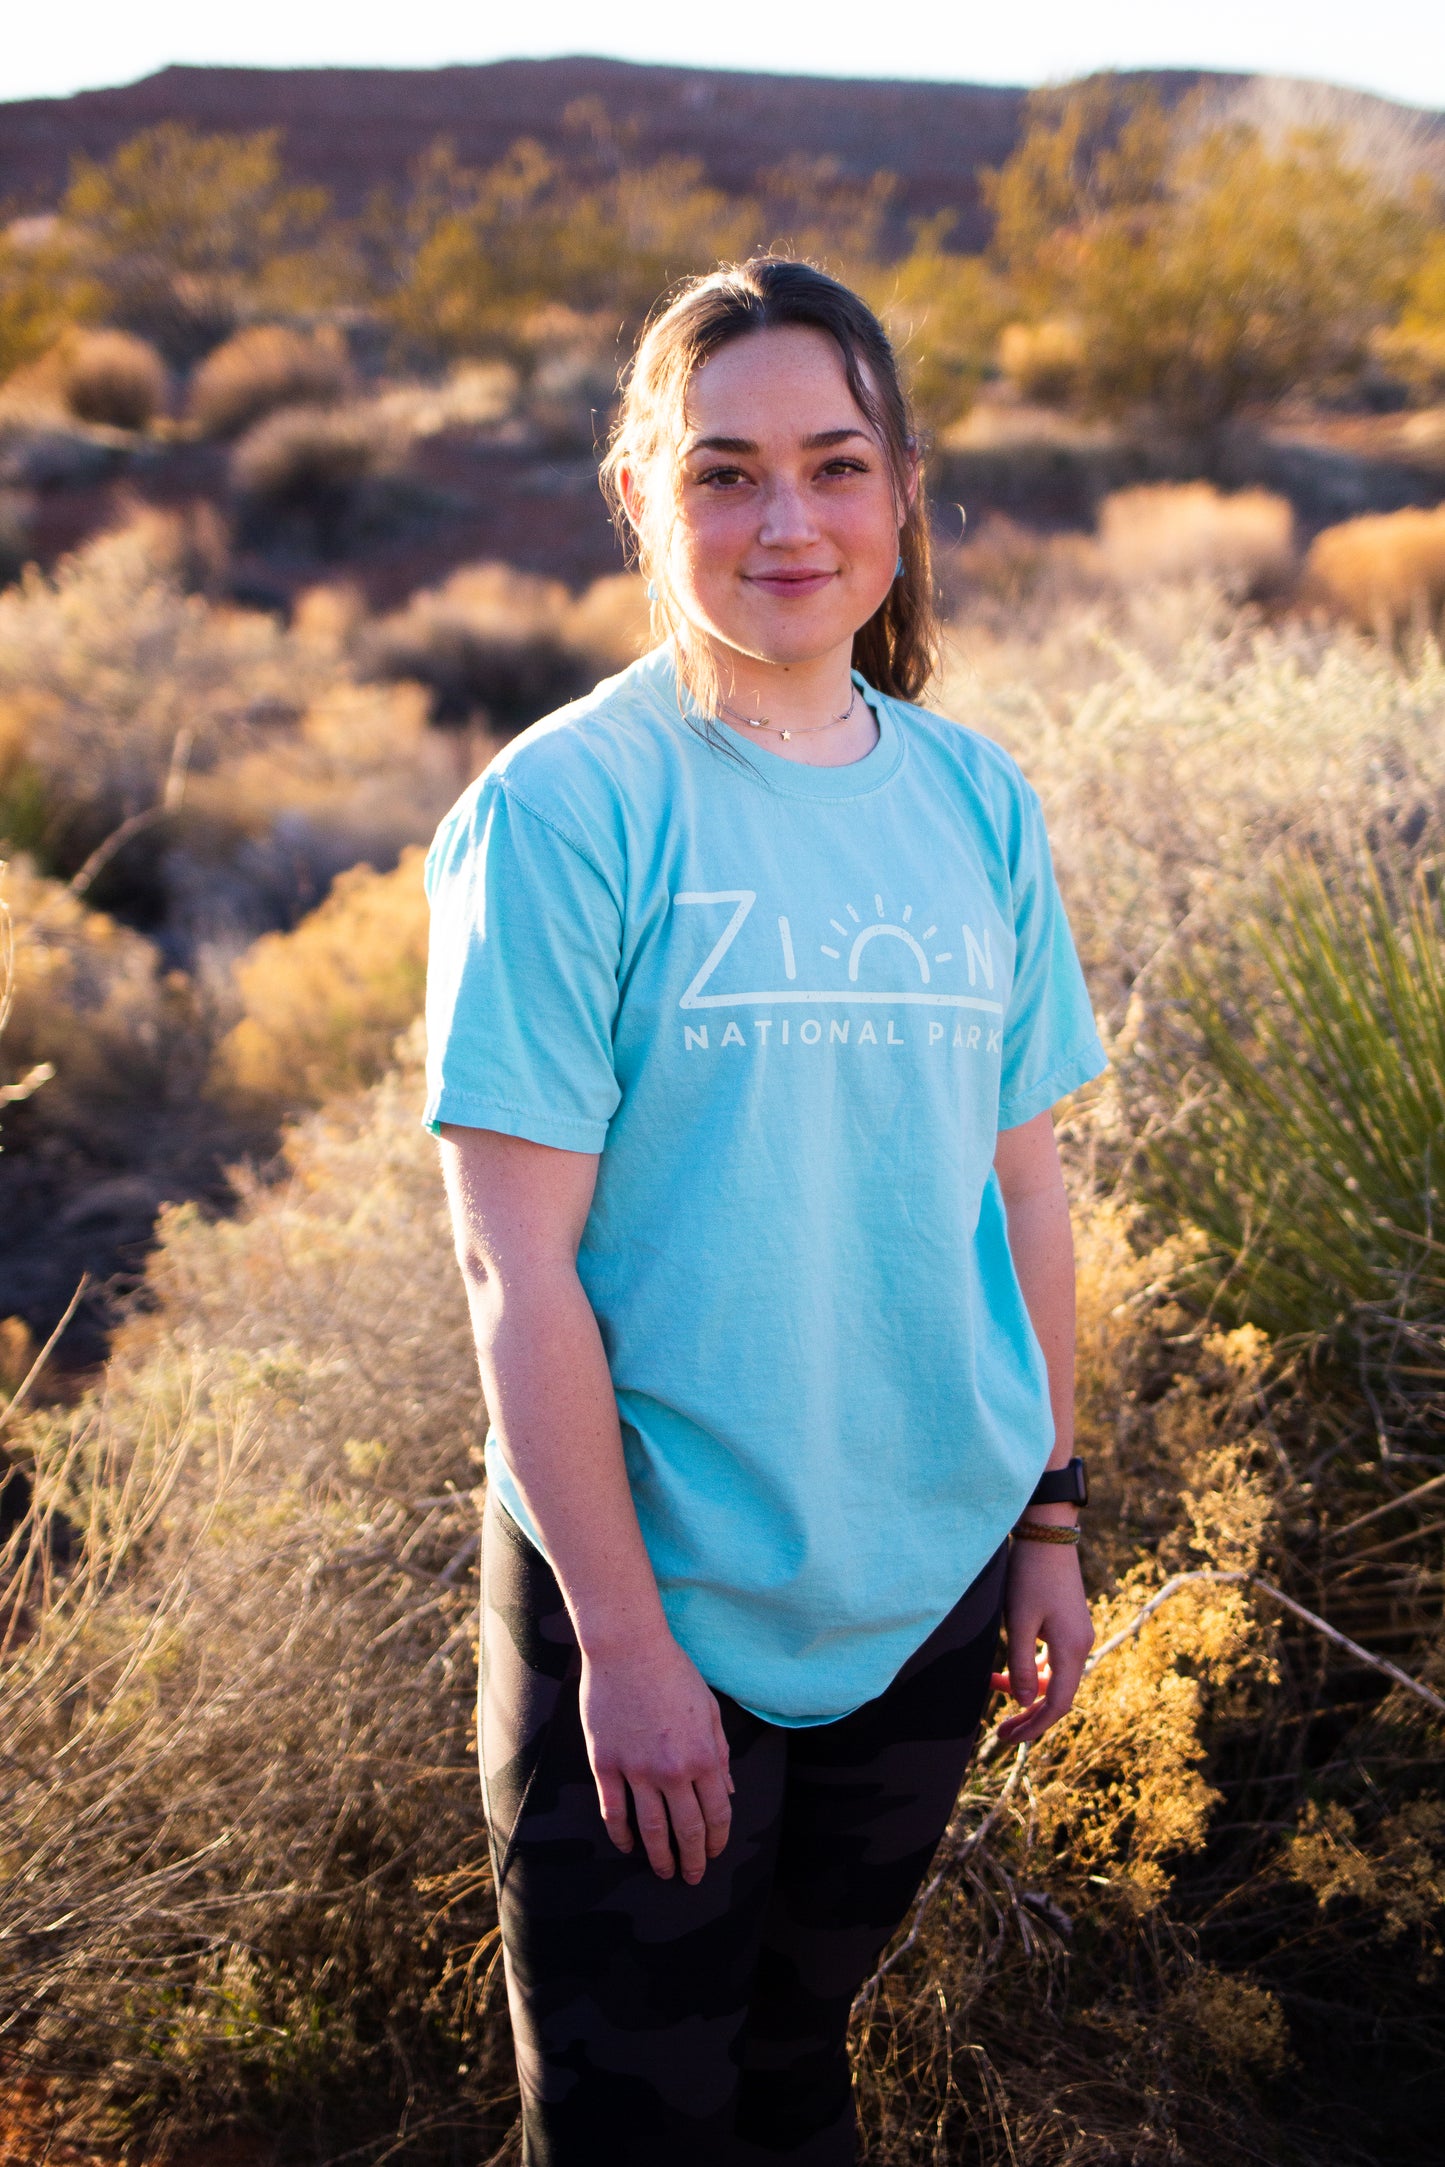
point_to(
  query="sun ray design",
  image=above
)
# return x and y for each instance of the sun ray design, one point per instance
(888, 929)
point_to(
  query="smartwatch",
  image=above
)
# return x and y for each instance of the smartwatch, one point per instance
(1062, 1485)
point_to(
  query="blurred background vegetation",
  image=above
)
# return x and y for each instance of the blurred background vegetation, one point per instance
(298, 523)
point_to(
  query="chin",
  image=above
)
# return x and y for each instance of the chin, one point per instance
(800, 637)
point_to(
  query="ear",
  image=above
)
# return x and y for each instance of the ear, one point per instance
(629, 489)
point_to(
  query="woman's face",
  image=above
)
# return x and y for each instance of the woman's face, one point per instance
(786, 534)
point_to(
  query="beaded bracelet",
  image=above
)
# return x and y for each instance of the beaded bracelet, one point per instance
(1040, 1531)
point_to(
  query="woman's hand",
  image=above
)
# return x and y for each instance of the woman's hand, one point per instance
(1044, 1601)
(654, 1728)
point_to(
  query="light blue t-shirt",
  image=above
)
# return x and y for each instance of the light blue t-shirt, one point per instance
(791, 1007)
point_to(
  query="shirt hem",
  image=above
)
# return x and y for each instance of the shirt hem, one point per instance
(1080, 1068)
(533, 1128)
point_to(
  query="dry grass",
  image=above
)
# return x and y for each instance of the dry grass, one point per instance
(248, 1869)
(1385, 573)
(1179, 747)
(237, 1728)
(265, 367)
(1188, 530)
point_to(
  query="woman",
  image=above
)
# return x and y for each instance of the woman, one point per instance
(750, 992)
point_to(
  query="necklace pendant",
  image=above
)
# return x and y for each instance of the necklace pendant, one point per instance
(786, 734)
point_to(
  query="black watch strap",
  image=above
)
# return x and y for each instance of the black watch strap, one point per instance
(1063, 1485)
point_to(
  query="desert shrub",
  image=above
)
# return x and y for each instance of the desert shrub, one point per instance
(1310, 1145)
(110, 1052)
(1043, 360)
(43, 294)
(181, 232)
(1206, 263)
(1188, 530)
(112, 377)
(1180, 749)
(1413, 347)
(504, 646)
(357, 778)
(111, 664)
(474, 395)
(1005, 563)
(264, 367)
(474, 251)
(270, 1631)
(943, 312)
(307, 457)
(1386, 572)
(248, 765)
(322, 1006)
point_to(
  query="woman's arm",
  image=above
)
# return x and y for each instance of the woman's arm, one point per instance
(652, 1725)
(1045, 1599)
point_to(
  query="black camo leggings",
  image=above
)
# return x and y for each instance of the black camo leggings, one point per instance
(658, 2025)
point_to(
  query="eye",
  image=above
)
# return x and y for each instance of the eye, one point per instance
(720, 477)
(846, 466)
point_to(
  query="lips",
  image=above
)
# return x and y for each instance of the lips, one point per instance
(790, 584)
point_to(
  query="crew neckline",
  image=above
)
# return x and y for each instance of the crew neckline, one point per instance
(793, 778)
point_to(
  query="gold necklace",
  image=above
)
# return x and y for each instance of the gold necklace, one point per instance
(761, 722)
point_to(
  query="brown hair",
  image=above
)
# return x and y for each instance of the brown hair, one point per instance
(897, 648)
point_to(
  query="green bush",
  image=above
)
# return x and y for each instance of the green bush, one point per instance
(1201, 265)
(181, 232)
(1311, 1147)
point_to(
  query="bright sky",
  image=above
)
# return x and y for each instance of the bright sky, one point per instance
(1396, 47)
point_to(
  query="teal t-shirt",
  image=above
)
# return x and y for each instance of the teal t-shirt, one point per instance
(791, 1007)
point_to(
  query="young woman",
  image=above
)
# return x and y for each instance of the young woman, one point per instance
(750, 993)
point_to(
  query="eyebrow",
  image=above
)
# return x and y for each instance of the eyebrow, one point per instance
(745, 444)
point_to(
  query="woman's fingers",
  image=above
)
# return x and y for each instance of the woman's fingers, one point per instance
(720, 1740)
(612, 1798)
(650, 1808)
(690, 1830)
(714, 1796)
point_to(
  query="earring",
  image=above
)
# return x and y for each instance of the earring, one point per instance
(652, 590)
(898, 567)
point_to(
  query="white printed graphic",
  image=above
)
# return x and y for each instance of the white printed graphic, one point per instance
(859, 935)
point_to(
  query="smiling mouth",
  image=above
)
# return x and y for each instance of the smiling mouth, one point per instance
(794, 581)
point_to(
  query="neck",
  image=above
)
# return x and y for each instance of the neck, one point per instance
(801, 696)
(793, 694)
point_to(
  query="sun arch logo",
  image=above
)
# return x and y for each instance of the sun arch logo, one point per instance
(917, 951)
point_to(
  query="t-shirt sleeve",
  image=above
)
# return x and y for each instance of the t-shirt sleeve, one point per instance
(521, 978)
(1051, 1044)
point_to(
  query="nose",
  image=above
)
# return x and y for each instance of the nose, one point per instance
(787, 520)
